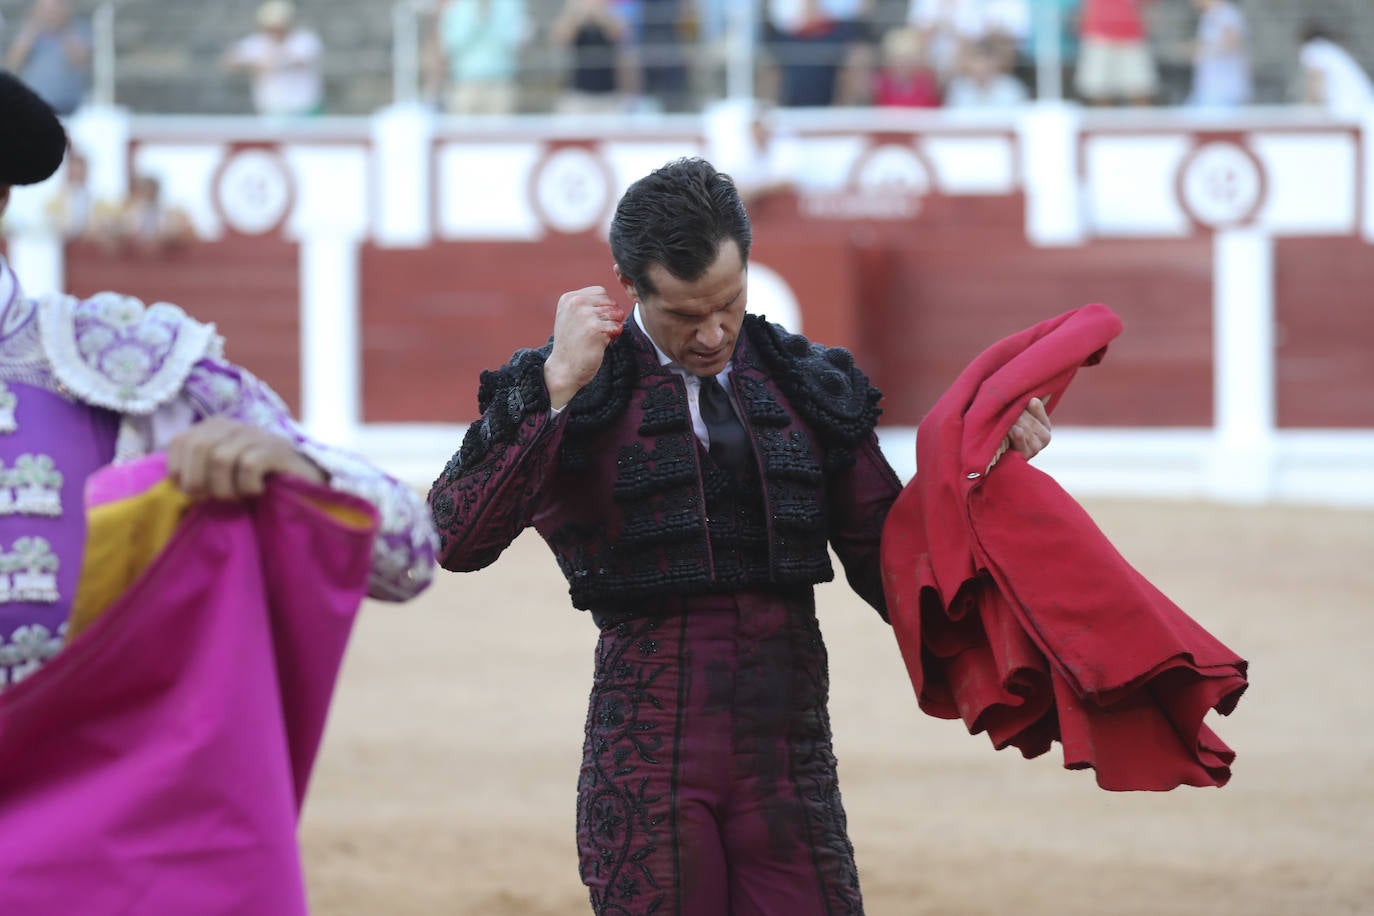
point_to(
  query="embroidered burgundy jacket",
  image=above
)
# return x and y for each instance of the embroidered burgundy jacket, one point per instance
(634, 509)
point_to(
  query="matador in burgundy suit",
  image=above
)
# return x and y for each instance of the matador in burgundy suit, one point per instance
(708, 784)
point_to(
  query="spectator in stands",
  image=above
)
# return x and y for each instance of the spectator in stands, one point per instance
(985, 82)
(284, 61)
(1221, 56)
(713, 23)
(763, 167)
(714, 19)
(631, 16)
(821, 49)
(1331, 76)
(52, 53)
(145, 223)
(72, 209)
(948, 28)
(662, 53)
(1006, 26)
(597, 39)
(862, 49)
(905, 80)
(1115, 63)
(629, 61)
(480, 41)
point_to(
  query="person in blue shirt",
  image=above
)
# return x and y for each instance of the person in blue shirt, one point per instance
(481, 41)
(52, 54)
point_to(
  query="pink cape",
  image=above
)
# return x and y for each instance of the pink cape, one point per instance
(158, 764)
(1013, 611)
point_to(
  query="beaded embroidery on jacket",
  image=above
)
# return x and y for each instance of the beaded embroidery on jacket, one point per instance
(143, 362)
(109, 351)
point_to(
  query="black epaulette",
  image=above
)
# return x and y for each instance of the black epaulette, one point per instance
(832, 394)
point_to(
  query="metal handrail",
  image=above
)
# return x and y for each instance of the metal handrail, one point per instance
(103, 54)
(740, 63)
(405, 49)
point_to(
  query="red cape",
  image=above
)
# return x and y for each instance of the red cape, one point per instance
(1015, 613)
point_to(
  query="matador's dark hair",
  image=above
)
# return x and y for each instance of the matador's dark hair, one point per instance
(677, 216)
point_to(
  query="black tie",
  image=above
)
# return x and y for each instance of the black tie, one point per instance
(729, 442)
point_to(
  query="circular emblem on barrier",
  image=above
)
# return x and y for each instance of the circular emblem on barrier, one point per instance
(253, 191)
(571, 190)
(891, 167)
(1221, 183)
(887, 182)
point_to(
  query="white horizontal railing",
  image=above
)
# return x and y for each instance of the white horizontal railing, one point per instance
(1244, 457)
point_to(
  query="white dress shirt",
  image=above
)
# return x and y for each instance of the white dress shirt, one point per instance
(693, 385)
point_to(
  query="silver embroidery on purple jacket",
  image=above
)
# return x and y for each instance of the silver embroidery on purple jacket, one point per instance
(403, 556)
(160, 369)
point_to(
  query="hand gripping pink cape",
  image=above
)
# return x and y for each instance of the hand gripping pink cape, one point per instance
(158, 765)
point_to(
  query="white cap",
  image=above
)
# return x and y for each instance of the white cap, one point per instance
(276, 14)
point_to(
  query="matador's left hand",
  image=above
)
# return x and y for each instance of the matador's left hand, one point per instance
(227, 459)
(1032, 430)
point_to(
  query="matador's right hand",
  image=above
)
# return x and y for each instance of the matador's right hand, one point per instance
(587, 321)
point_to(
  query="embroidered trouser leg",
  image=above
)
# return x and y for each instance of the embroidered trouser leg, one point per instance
(708, 783)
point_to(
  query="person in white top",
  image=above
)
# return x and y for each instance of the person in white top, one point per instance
(947, 26)
(985, 84)
(284, 61)
(1007, 24)
(1221, 57)
(951, 27)
(744, 141)
(1332, 78)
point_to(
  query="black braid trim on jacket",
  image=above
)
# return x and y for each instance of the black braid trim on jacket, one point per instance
(506, 396)
(823, 384)
(599, 404)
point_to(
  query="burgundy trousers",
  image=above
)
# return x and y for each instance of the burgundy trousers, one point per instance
(708, 784)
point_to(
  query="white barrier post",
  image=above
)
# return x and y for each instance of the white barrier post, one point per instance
(1242, 464)
(102, 133)
(330, 357)
(1367, 136)
(1049, 167)
(402, 137)
(38, 259)
(34, 245)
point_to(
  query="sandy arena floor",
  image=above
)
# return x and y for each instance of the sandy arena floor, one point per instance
(447, 779)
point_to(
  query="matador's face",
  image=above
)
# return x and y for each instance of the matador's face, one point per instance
(696, 323)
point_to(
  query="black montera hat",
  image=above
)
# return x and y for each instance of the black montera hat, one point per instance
(32, 141)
